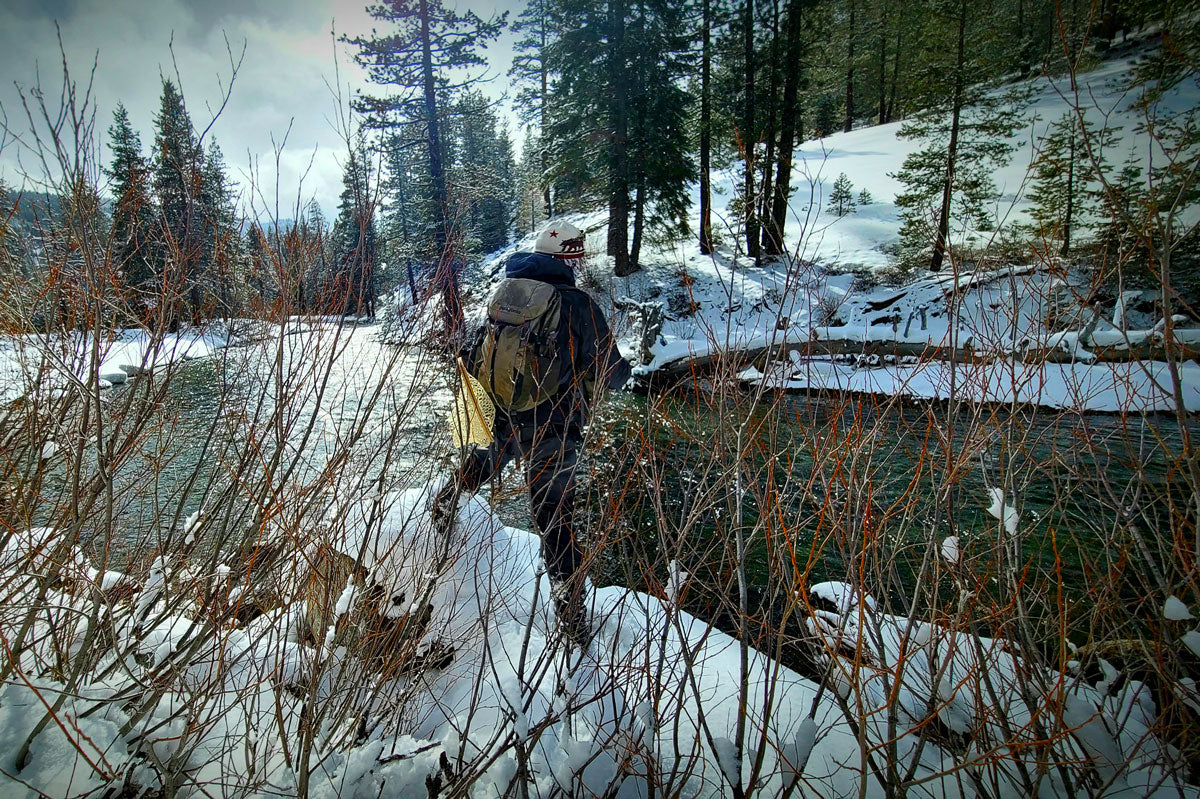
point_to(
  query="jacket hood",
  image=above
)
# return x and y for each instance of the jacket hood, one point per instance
(536, 266)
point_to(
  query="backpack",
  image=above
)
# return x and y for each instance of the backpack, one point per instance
(518, 360)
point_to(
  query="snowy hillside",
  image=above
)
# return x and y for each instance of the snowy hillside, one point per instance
(1045, 323)
(869, 156)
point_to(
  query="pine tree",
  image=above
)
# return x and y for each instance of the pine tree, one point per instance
(659, 145)
(789, 127)
(177, 167)
(222, 244)
(483, 176)
(749, 131)
(706, 25)
(530, 211)
(851, 40)
(132, 210)
(261, 274)
(428, 41)
(619, 112)
(964, 133)
(1122, 197)
(318, 265)
(770, 66)
(615, 57)
(531, 71)
(841, 199)
(1063, 176)
(405, 247)
(354, 240)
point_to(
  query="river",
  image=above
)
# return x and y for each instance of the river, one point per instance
(927, 467)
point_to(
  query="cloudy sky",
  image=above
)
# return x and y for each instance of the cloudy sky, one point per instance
(285, 80)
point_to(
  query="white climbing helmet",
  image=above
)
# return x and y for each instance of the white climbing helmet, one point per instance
(560, 239)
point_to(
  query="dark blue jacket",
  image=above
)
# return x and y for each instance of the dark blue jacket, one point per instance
(589, 353)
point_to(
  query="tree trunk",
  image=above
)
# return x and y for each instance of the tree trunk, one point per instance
(850, 73)
(787, 133)
(943, 230)
(1021, 38)
(706, 243)
(452, 308)
(639, 218)
(1066, 247)
(749, 135)
(437, 173)
(883, 20)
(618, 160)
(547, 202)
(891, 106)
(764, 196)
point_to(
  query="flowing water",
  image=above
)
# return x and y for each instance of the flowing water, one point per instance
(1072, 471)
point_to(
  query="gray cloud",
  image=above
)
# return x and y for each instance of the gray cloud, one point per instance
(283, 83)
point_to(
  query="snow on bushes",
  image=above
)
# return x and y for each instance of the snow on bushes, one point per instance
(169, 699)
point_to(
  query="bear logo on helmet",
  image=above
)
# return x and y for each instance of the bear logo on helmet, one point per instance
(562, 240)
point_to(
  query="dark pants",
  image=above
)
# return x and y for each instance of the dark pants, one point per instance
(550, 454)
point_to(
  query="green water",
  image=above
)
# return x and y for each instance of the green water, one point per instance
(661, 463)
(1074, 474)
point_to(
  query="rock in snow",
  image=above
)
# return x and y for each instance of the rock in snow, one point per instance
(950, 550)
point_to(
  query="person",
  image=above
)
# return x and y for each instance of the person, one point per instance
(546, 436)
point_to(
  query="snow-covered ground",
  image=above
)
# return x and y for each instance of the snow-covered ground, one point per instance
(659, 691)
(35, 362)
(870, 156)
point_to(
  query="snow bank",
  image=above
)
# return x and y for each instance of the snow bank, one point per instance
(31, 363)
(1120, 387)
(35, 362)
(659, 692)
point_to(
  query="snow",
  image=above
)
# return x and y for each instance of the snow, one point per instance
(870, 156)
(1003, 511)
(656, 680)
(73, 360)
(951, 550)
(346, 599)
(1175, 610)
(842, 596)
(676, 580)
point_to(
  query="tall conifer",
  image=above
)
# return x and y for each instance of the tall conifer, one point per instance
(132, 211)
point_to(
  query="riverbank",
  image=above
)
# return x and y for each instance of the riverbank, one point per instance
(659, 693)
(32, 363)
(1024, 334)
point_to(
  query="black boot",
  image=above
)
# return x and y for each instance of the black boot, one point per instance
(571, 614)
(445, 508)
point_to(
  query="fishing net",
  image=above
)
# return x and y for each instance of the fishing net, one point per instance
(472, 414)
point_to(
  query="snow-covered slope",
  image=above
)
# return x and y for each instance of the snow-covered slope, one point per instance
(870, 156)
(658, 695)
